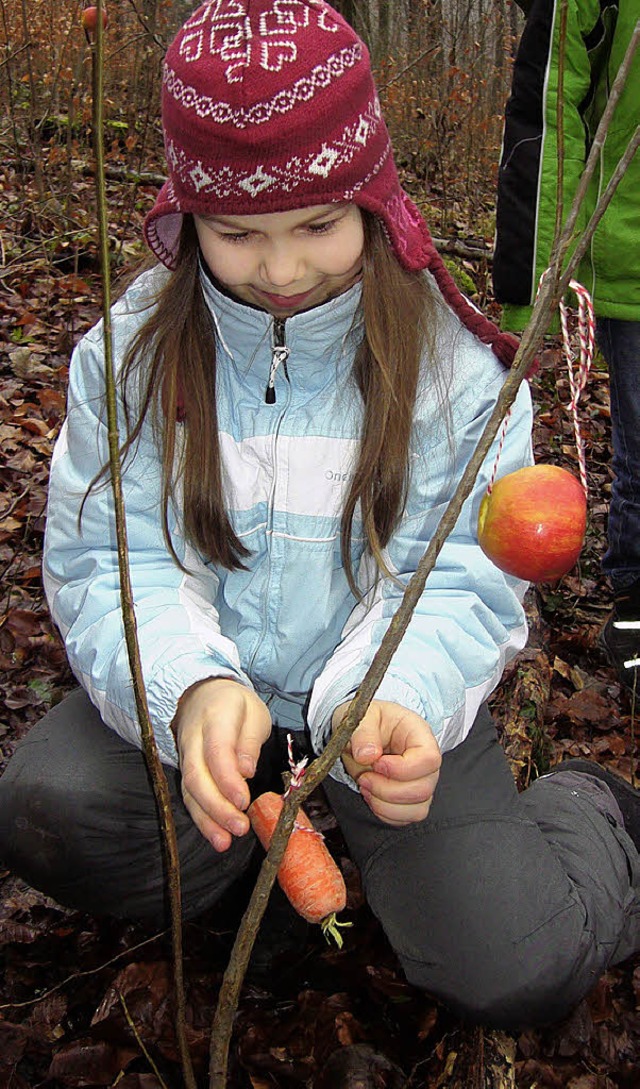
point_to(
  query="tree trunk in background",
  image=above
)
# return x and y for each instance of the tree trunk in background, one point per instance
(499, 58)
(516, 22)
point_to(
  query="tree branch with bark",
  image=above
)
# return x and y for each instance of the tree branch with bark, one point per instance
(151, 754)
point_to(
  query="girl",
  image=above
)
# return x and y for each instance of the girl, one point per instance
(301, 388)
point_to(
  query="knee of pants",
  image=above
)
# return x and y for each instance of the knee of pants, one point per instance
(32, 831)
(93, 854)
(505, 986)
(485, 920)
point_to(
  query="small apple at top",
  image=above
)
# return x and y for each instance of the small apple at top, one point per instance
(90, 18)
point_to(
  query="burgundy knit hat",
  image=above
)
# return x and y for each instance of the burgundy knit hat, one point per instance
(270, 105)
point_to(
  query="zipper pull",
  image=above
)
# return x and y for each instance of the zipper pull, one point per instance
(279, 354)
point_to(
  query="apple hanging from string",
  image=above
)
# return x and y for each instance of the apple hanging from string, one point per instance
(532, 523)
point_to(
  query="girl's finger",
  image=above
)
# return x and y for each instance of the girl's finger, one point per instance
(224, 770)
(219, 838)
(365, 745)
(398, 792)
(398, 815)
(198, 784)
(232, 740)
(415, 763)
(252, 737)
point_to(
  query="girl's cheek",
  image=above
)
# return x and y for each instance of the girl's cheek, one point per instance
(229, 270)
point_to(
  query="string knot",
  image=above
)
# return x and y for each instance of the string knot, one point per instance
(297, 768)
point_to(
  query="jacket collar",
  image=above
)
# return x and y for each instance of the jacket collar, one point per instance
(319, 340)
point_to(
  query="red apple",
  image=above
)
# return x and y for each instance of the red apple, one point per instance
(90, 18)
(532, 524)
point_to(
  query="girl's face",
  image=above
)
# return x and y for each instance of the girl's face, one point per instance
(285, 262)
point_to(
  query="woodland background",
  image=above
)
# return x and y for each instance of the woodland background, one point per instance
(86, 1002)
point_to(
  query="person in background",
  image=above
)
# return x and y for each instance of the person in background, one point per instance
(301, 388)
(596, 40)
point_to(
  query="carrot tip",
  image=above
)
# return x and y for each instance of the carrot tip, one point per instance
(330, 926)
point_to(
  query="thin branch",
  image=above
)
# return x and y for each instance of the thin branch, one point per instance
(425, 53)
(599, 211)
(160, 786)
(16, 53)
(34, 134)
(81, 975)
(12, 506)
(562, 56)
(162, 46)
(140, 1041)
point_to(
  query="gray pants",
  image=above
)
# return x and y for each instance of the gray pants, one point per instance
(508, 907)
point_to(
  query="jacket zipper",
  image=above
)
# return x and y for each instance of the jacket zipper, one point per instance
(279, 355)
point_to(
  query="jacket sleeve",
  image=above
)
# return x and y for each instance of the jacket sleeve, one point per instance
(527, 176)
(177, 626)
(469, 620)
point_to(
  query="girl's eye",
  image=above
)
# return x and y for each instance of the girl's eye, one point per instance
(322, 228)
(239, 236)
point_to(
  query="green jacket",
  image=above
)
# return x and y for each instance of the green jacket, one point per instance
(598, 32)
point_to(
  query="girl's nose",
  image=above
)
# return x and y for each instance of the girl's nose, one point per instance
(281, 265)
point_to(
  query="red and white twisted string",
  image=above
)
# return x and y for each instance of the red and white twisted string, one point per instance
(578, 375)
(503, 435)
(578, 362)
(298, 771)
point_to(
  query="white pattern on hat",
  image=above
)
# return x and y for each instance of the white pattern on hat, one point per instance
(235, 47)
(284, 100)
(230, 35)
(321, 161)
(324, 162)
(257, 182)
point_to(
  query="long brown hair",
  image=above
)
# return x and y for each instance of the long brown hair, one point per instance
(173, 357)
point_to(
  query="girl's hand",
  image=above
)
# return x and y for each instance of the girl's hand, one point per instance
(395, 760)
(220, 727)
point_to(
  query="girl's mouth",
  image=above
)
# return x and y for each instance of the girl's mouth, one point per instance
(286, 302)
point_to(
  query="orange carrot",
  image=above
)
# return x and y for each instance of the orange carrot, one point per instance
(308, 875)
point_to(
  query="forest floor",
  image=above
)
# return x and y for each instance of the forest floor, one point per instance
(87, 1001)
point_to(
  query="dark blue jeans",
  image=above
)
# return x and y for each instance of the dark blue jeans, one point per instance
(619, 342)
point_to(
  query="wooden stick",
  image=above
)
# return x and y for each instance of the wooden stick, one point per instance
(160, 786)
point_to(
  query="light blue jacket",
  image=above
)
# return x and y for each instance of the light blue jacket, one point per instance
(288, 625)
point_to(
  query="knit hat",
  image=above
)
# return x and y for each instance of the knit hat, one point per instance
(269, 106)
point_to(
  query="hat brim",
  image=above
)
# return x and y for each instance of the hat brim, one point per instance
(405, 227)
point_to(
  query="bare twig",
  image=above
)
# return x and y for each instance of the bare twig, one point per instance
(160, 786)
(600, 209)
(12, 506)
(416, 60)
(140, 1041)
(34, 134)
(80, 975)
(562, 42)
(162, 45)
(16, 53)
